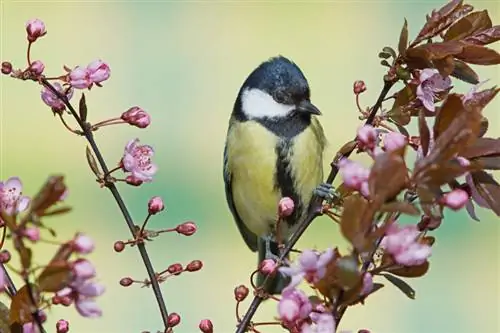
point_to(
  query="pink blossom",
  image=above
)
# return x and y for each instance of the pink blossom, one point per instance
(83, 244)
(83, 292)
(431, 82)
(33, 234)
(293, 307)
(206, 326)
(456, 199)
(311, 266)
(11, 199)
(136, 116)
(285, 207)
(35, 29)
(62, 326)
(79, 78)
(394, 141)
(367, 284)
(37, 67)
(52, 100)
(137, 160)
(321, 323)
(267, 266)
(98, 71)
(367, 137)
(83, 269)
(155, 205)
(358, 87)
(354, 175)
(403, 245)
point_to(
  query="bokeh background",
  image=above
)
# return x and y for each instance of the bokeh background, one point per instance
(184, 61)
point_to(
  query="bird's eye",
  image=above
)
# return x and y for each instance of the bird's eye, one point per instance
(280, 97)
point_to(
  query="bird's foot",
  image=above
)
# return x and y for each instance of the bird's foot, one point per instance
(326, 192)
(269, 252)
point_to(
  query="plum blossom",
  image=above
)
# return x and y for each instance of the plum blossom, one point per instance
(99, 71)
(155, 205)
(137, 160)
(83, 244)
(322, 323)
(11, 199)
(79, 78)
(35, 29)
(367, 137)
(456, 199)
(52, 100)
(394, 141)
(403, 245)
(37, 67)
(311, 266)
(431, 82)
(293, 308)
(354, 175)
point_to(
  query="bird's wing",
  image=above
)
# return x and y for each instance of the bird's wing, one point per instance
(250, 238)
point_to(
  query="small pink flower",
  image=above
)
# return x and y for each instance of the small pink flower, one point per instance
(11, 199)
(311, 267)
(285, 207)
(137, 160)
(367, 284)
(52, 100)
(98, 71)
(33, 234)
(206, 326)
(267, 266)
(456, 199)
(83, 269)
(431, 82)
(37, 67)
(79, 78)
(155, 205)
(83, 292)
(62, 326)
(88, 308)
(321, 323)
(359, 87)
(83, 244)
(354, 175)
(403, 245)
(30, 327)
(367, 137)
(394, 141)
(293, 306)
(136, 116)
(35, 29)
(187, 228)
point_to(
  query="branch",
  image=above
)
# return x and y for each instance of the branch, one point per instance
(87, 132)
(314, 209)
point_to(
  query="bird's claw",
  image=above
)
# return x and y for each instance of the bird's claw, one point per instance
(326, 192)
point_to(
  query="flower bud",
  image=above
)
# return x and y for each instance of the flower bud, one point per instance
(194, 266)
(136, 116)
(359, 87)
(174, 319)
(206, 326)
(62, 326)
(79, 78)
(4, 256)
(98, 71)
(33, 234)
(367, 137)
(155, 205)
(267, 266)
(119, 246)
(82, 268)
(6, 68)
(83, 244)
(240, 293)
(285, 207)
(175, 269)
(186, 228)
(394, 141)
(126, 281)
(134, 181)
(37, 67)
(35, 29)
(455, 199)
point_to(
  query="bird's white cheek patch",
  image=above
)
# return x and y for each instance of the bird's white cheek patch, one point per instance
(259, 104)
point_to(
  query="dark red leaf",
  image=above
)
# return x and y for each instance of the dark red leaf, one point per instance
(463, 72)
(488, 188)
(484, 37)
(468, 25)
(478, 55)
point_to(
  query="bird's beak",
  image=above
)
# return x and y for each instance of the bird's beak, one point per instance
(307, 107)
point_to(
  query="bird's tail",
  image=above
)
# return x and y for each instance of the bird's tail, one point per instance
(277, 282)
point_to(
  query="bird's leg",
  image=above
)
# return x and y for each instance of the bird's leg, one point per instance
(269, 253)
(327, 192)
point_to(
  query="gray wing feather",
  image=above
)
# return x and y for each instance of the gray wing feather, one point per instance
(249, 237)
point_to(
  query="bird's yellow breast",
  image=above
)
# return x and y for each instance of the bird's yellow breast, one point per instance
(251, 160)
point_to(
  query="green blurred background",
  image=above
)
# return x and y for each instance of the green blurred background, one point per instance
(184, 62)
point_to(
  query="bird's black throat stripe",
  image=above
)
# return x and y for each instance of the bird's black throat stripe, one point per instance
(284, 180)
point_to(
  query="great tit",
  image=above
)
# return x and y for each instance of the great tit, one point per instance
(274, 148)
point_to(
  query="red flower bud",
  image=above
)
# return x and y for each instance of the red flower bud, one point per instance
(286, 207)
(206, 326)
(119, 246)
(174, 319)
(62, 326)
(136, 116)
(131, 180)
(37, 67)
(240, 293)
(175, 269)
(6, 68)
(126, 281)
(155, 205)
(267, 266)
(186, 228)
(4, 256)
(359, 87)
(194, 266)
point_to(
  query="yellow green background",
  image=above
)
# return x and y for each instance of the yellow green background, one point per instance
(184, 62)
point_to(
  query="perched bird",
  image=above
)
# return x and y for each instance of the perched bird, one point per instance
(274, 149)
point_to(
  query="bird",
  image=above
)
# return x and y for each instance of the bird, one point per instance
(274, 148)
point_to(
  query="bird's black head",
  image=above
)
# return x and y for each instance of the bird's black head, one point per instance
(276, 89)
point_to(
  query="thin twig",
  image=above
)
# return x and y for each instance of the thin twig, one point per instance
(315, 209)
(86, 128)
